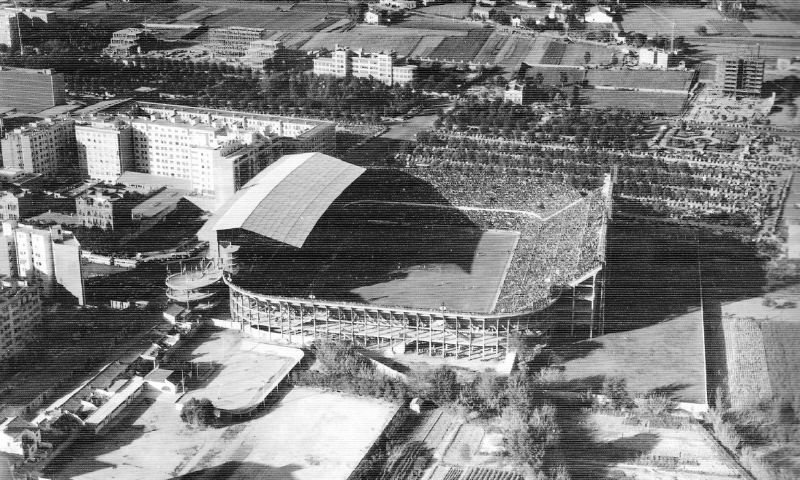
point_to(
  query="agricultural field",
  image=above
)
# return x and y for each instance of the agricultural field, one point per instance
(761, 335)
(272, 20)
(664, 103)
(546, 51)
(678, 81)
(507, 51)
(375, 39)
(597, 445)
(659, 20)
(436, 23)
(308, 434)
(462, 49)
(666, 358)
(452, 10)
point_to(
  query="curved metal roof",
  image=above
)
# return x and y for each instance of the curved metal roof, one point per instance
(286, 199)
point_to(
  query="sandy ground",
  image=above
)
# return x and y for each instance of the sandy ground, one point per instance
(308, 435)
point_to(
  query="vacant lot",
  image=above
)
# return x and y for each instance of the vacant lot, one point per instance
(308, 435)
(665, 358)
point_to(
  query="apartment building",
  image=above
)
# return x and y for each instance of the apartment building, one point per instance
(20, 316)
(8, 249)
(213, 152)
(104, 148)
(382, 66)
(9, 29)
(130, 41)
(106, 208)
(740, 75)
(29, 90)
(43, 147)
(399, 4)
(232, 41)
(17, 203)
(48, 254)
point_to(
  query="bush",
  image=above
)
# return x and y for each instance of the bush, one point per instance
(616, 390)
(198, 412)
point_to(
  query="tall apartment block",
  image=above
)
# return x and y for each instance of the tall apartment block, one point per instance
(104, 148)
(20, 316)
(258, 51)
(232, 41)
(9, 29)
(29, 90)
(383, 67)
(47, 254)
(740, 75)
(43, 147)
(217, 151)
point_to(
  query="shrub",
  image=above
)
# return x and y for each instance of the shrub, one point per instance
(198, 412)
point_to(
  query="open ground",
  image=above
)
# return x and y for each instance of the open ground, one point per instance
(307, 435)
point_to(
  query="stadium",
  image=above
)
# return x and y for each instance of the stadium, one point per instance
(431, 261)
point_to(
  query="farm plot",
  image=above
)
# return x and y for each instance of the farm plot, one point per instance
(641, 79)
(465, 445)
(728, 28)
(452, 10)
(651, 21)
(435, 23)
(426, 45)
(536, 53)
(461, 49)
(514, 51)
(748, 377)
(663, 103)
(575, 54)
(494, 44)
(286, 21)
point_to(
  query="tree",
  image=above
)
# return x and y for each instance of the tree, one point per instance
(442, 385)
(198, 412)
(587, 57)
(701, 30)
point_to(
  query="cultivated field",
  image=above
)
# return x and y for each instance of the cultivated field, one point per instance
(641, 79)
(462, 49)
(666, 358)
(604, 446)
(547, 51)
(761, 347)
(650, 21)
(664, 103)
(452, 10)
(308, 435)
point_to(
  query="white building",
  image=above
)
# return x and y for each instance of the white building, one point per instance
(383, 67)
(372, 17)
(104, 148)
(50, 255)
(399, 4)
(259, 51)
(20, 316)
(19, 437)
(598, 14)
(9, 32)
(657, 58)
(42, 147)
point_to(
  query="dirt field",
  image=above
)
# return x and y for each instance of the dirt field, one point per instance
(308, 435)
(667, 358)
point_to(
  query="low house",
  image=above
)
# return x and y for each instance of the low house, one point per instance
(483, 12)
(373, 18)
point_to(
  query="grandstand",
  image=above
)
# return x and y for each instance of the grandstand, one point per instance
(426, 260)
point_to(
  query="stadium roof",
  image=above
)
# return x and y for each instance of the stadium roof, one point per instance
(286, 199)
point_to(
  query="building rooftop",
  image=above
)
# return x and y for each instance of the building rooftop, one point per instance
(136, 179)
(167, 199)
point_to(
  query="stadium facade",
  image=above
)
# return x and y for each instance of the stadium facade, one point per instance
(313, 247)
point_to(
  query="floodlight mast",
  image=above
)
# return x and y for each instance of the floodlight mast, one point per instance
(19, 29)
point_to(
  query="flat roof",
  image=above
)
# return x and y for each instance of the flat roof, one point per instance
(158, 203)
(285, 201)
(115, 401)
(155, 181)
